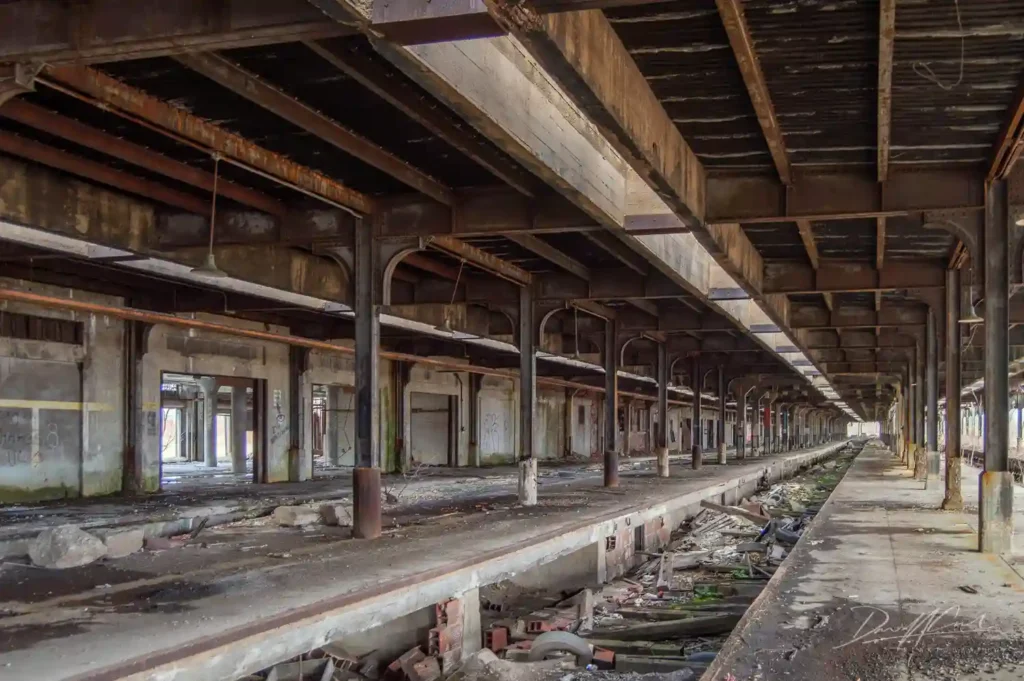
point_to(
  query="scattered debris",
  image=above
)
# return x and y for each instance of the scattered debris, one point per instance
(967, 589)
(66, 546)
(121, 544)
(336, 514)
(295, 516)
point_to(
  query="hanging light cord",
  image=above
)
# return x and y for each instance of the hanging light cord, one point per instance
(213, 199)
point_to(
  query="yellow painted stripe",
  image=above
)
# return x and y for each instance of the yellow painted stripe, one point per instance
(53, 404)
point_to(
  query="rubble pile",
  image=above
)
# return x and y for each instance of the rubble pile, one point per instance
(665, 620)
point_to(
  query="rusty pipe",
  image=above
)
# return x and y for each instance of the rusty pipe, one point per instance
(298, 341)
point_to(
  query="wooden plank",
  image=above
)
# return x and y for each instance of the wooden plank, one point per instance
(731, 12)
(396, 90)
(735, 511)
(707, 625)
(556, 257)
(245, 84)
(886, 38)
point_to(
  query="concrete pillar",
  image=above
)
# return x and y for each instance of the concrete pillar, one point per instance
(741, 423)
(366, 511)
(611, 402)
(332, 424)
(696, 385)
(527, 399)
(239, 428)
(189, 418)
(661, 445)
(953, 500)
(932, 397)
(208, 385)
(995, 507)
(472, 633)
(721, 415)
(755, 432)
(1020, 424)
(777, 429)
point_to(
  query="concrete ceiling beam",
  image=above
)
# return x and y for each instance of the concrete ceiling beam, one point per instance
(354, 60)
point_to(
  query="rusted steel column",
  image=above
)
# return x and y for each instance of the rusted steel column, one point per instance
(527, 399)
(953, 500)
(697, 430)
(611, 400)
(721, 415)
(920, 453)
(661, 446)
(741, 424)
(932, 393)
(366, 519)
(995, 526)
(1020, 424)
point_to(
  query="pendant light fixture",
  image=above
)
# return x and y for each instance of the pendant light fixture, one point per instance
(209, 268)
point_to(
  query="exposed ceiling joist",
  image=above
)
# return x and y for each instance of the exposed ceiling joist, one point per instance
(69, 129)
(92, 31)
(111, 94)
(742, 44)
(880, 224)
(539, 247)
(886, 38)
(807, 236)
(233, 77)
(348, 58)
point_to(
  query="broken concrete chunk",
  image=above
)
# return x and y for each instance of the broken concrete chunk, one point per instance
(295, 516)
(163, 543)
(121, 544)
(427, 669)
(336, 514)
(65, 547)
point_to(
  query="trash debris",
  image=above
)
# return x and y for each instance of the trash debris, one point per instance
(66, 546)
(295, 516)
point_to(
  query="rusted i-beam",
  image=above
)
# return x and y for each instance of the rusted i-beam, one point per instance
(110, 92)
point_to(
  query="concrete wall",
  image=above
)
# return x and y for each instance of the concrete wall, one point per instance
(61, 415)
(334, 369)
(210, 354)
(498, 426)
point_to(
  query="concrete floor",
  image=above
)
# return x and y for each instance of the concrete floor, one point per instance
(873, 591)
(256, 594)
(218, 493)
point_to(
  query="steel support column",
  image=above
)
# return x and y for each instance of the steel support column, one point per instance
(366, 512)
(920, 465)
(611, 401)
(932, 395)
(661, 446)
(953, 500)
(995, 526)
(721, 416)
(697, 430)
(527, 399)
(741, 424)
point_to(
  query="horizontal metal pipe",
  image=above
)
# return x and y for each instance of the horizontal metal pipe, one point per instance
(298, 341)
